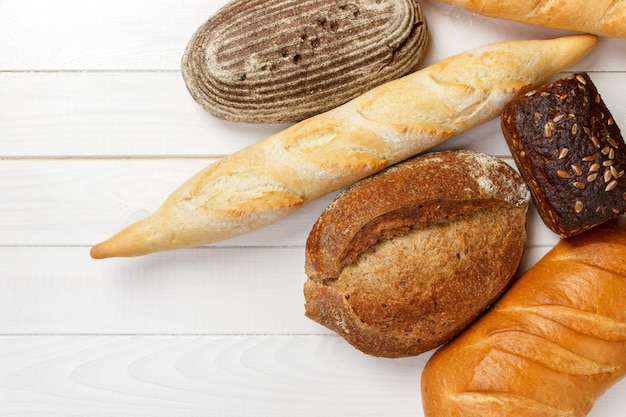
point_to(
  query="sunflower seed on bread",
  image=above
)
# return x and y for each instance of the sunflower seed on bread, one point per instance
(571, 152)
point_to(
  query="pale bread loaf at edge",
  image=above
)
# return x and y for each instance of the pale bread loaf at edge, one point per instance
(403, 261)
(550, 347)
(268, 180)
(600, 17)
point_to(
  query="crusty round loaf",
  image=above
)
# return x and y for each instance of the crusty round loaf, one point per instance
(403, 261)
(262, 61)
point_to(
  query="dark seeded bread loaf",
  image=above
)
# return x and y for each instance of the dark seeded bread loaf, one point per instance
(403, 261)
(569, 149)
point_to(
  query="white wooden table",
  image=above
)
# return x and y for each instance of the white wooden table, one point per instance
(96, 129)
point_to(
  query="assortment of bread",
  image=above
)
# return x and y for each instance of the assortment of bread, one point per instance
(268, 180)
(418, 248)
(400, 262)
(262, 61)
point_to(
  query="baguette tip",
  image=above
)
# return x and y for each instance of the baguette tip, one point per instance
(135, 240)
(99, 251)
(107, 249)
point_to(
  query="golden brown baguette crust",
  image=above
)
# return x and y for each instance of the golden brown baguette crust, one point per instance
(550, 346)
(264, 182)
(402, 261)
(600, 17)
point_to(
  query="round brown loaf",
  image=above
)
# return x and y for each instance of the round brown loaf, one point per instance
(404, 260)
(261, 61)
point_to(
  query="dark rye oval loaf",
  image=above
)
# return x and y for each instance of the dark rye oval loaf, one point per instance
(405, 260)
(262, 61)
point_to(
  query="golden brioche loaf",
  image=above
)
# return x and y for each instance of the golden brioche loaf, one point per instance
(550, 346)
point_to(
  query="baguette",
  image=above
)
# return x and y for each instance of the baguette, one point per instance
(600, 17)
(268, 180)
(551, 346)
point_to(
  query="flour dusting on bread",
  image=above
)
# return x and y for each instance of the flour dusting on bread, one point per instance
(400, 262)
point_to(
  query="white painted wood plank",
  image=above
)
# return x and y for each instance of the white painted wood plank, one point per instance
(206, 291)
(81, 202)
(152, 114)
(118, 34)
(144, 35)
(109, 114)
(195, 291)
(238, 376)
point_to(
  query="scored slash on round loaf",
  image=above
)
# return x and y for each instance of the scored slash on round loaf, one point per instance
(403, 261)
(262, 61)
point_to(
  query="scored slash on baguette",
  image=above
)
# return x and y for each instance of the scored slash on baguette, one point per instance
(270, 179)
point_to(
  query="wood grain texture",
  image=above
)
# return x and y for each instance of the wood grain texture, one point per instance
(189, 292)
(78, 201)
(195, 291)
(85, 35)
(159, 376)
(203, 375)
(67, 35)
(131, 114)
(96, 128)
(112, 114)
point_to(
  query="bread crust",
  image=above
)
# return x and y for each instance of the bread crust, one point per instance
(266, 181)
(402, 261)
(551, 346)
(600, 17)
(259, 61)
(571, 152)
